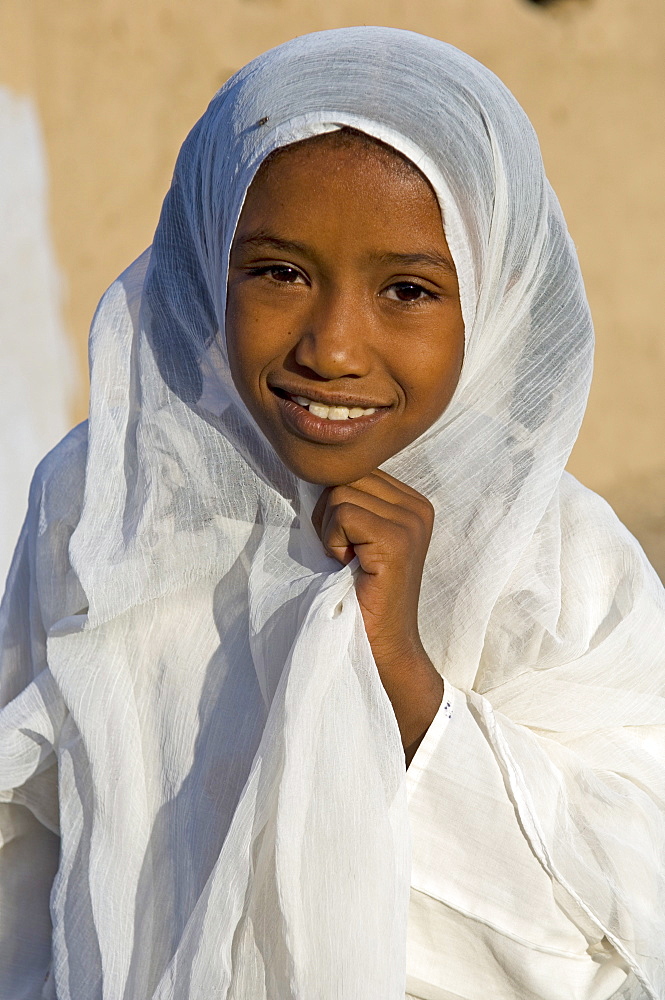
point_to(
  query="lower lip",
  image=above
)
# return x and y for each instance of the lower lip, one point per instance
(325, 431)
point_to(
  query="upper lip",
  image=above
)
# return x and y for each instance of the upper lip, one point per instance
(329, 398)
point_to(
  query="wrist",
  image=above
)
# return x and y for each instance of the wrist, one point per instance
(415, 689)
(422, 708)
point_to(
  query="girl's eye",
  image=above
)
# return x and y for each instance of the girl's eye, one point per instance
(278, 272)
(409, 291)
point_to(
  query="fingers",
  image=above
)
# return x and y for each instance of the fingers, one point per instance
(385, 487)
(353, 522)
(390, 512)
(346, 528)
(395, 508)
(377, 486)
(349, 529)
(390, 499)
(384, 481)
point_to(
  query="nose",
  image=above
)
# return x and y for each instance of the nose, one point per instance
(334, 339)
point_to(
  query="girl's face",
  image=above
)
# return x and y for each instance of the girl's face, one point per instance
(344, 326)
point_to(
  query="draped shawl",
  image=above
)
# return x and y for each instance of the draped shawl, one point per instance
(288, 871)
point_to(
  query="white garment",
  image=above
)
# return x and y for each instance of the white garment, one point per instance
(189, 673)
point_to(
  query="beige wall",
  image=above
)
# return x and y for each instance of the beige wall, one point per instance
(118, 83)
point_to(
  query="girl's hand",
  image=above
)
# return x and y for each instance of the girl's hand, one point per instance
(388, 526)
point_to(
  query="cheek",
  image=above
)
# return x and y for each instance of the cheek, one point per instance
(239, 343)
(432, 376)
(245, 341)
(257, 333)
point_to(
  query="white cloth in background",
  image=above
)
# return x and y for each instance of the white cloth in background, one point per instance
(36, 374)
(189, 674)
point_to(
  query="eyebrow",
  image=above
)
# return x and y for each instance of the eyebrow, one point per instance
(260, 238)
(431, 258)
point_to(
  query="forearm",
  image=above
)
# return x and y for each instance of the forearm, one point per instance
(415, 689)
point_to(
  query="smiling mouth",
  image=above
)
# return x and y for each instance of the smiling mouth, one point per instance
(323, 422)
(328, 411)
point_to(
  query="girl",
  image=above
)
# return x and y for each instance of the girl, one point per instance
(322, 678)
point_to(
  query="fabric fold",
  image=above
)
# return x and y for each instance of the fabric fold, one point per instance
(234, 817)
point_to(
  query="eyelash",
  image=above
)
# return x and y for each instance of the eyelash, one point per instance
(265, 269)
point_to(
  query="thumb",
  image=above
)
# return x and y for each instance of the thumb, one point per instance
(319, 511)
(337, 545)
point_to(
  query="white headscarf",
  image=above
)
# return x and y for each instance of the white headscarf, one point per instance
(551, 624)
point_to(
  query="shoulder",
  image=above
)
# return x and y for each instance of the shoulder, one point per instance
(58, 482)
(603, 566)
(590, 526)
(583, 588)
(41, 586)
(54, 509)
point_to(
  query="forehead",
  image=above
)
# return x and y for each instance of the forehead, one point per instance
(333, 151)
(341, 180)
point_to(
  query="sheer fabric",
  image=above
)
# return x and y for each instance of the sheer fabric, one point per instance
(179, 652)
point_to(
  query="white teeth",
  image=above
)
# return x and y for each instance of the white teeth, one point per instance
(336, 412)
(333, 412)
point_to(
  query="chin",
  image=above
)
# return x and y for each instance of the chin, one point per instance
(327, 473)
(332, 480)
